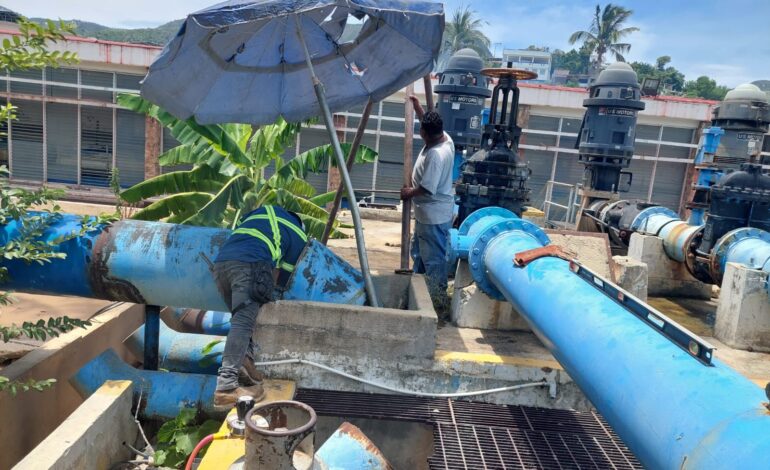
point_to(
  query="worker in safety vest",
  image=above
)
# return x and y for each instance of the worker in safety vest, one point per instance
(263, 248)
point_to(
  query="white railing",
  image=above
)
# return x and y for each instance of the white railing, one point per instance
(570, 207)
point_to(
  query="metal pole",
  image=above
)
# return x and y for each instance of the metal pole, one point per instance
(327, 116)
(428, 92)
(406, 209)
(151, 336)
(351, 160)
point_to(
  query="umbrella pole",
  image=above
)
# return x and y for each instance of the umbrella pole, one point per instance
(327, 116)
(351, 160)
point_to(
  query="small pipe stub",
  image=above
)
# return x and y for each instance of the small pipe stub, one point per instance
(280, 435)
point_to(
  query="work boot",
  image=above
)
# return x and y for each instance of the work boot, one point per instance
(227, 398)
(248, 374)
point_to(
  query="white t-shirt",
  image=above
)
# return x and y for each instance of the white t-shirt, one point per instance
(433, 172)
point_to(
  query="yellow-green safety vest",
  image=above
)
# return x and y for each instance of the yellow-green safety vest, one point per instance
(274, 245)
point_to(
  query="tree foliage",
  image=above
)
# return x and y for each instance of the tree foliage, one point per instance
(672, 80)
(605, 33)
(576, 61)
(29, 49)
(177, 438)
(228, 175)
(464, 30)
(705, 87)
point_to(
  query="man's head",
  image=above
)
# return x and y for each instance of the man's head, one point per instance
(431, 126)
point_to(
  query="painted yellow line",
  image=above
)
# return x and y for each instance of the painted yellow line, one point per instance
(448, 356)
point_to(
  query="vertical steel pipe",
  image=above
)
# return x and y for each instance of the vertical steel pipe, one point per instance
(670, 409)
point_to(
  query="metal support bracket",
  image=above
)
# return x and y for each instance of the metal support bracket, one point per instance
(676, 333)
(151, 336)
(523, 258)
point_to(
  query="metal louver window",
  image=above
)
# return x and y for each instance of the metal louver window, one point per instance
(95, 145)
(129, 152)
(62, 142)
(99, 79)
(311, 138)
(669, 184)
(27, 141)
(61, 75)
(27, 88)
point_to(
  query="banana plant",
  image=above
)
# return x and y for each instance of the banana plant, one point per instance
(227, 179)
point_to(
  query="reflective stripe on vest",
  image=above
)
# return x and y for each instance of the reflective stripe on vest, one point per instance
(274, 245)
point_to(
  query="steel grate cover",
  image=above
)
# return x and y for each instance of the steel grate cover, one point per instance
(472, 435)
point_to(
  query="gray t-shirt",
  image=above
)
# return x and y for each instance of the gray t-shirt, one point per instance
(433, 172)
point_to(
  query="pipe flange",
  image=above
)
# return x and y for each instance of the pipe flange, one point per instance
(482, 240)
(602, 215)
(722, 246)
(690, 259)
(484, 212)
(645, 214)
(454, 246)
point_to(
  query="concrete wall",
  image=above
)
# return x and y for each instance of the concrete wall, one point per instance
(29, 417)
(92, 437)
(392, 334)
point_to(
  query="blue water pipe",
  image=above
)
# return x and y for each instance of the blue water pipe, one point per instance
(746, 246)
(163, 393)
(671, 408)
(156, 263)
(191, 320)
(181, 352)
(708, 173)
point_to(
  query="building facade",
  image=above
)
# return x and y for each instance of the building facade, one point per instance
(534, 61)
(70, 133)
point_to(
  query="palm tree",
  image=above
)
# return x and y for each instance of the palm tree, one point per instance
(605, 33)
(464, 30)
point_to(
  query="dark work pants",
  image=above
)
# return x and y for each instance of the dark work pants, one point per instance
(244, 288)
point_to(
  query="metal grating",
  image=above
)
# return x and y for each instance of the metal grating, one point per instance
(471, 435)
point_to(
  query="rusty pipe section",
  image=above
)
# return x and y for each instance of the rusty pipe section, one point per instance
(135, 261)
(155, 263)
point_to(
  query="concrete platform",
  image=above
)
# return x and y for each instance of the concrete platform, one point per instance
(29, 417)
(665, 277)
(92, 436)
(743, 316)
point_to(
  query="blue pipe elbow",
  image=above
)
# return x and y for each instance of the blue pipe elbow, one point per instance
(181, 352)
(163, 393)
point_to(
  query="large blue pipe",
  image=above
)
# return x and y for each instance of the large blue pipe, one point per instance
(155, 263)
(747, 246)
(672, 410)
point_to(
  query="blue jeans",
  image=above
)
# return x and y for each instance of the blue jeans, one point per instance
(429, 245)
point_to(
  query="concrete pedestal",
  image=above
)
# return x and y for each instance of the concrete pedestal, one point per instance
(665, 277)
(631, 275)
(743, 314)
(472, 308)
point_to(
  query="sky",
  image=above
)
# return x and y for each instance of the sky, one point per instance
(728, 41)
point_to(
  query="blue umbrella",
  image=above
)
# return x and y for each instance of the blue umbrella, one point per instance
(244, 62)
(255, 61)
